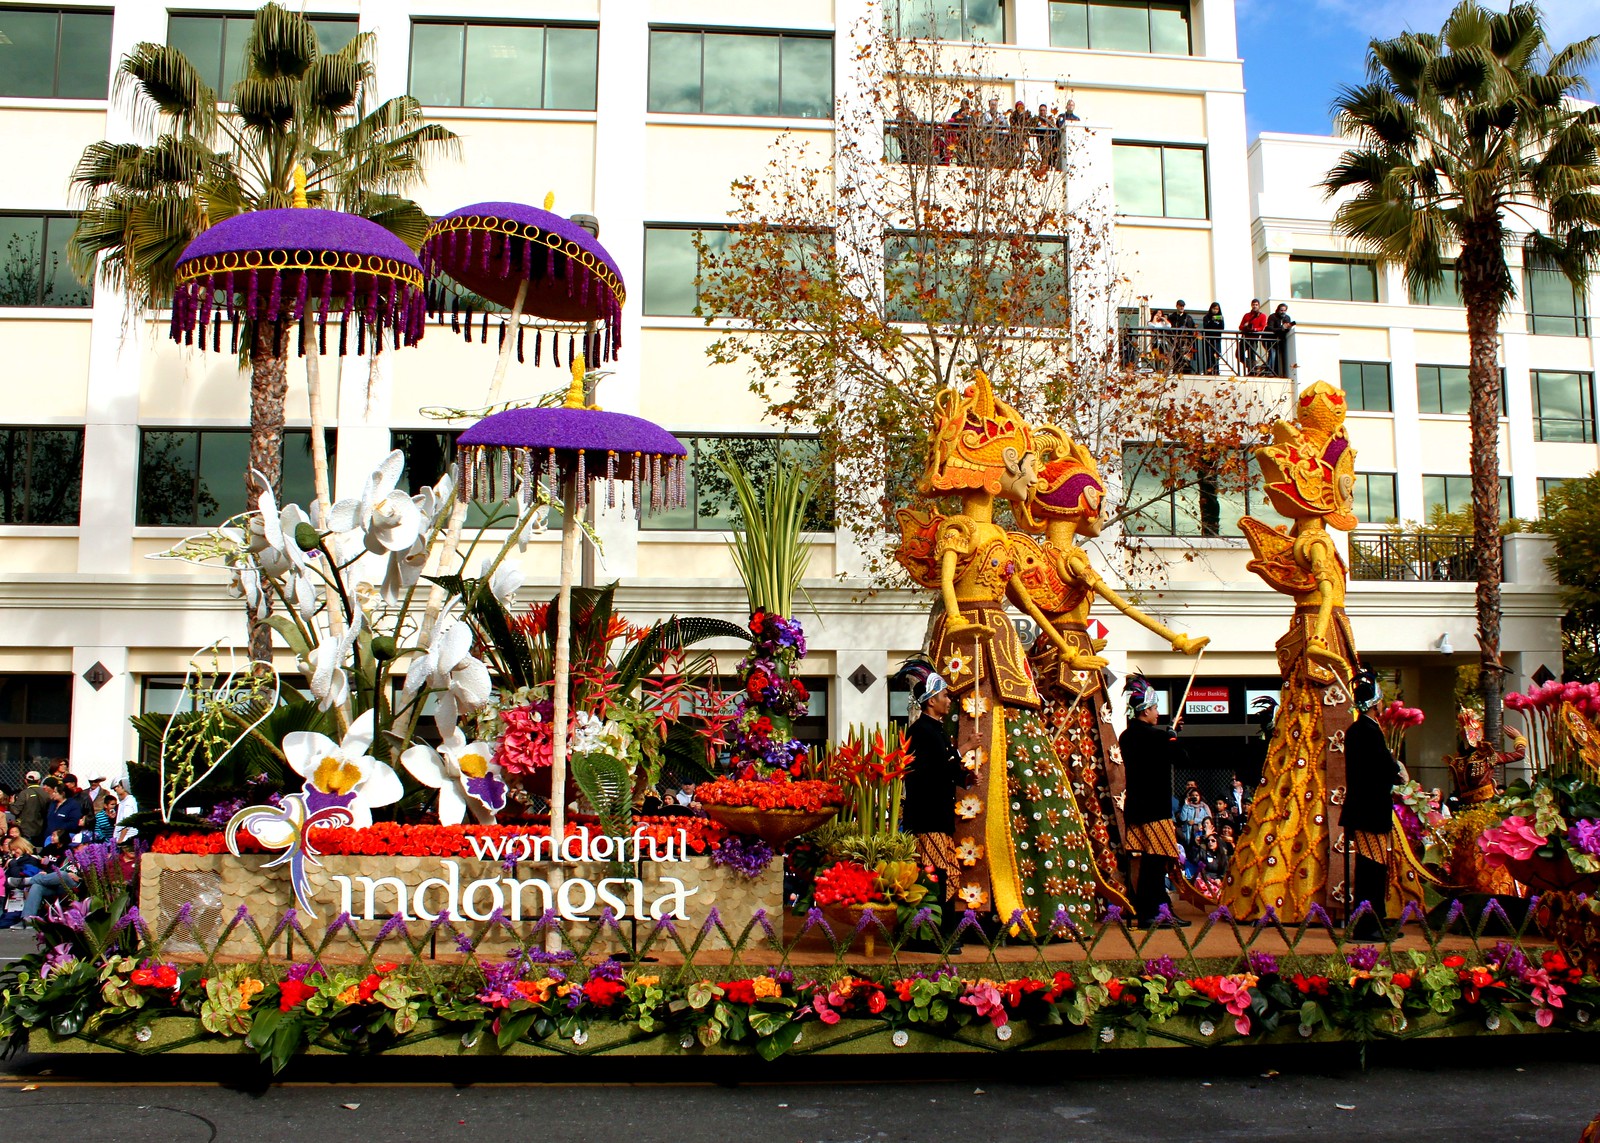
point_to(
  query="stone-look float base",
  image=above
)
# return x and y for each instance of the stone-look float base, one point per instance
(215, 886)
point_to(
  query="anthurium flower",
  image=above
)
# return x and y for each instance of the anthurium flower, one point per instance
(342, 773)
(465, 774)
(1513, 838)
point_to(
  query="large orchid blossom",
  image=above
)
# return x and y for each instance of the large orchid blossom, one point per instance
(447, 666)
(391, 523)
(330, 684)
(342, 773)
(465, 775)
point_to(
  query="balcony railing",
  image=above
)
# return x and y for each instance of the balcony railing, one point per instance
(1431, 558)
(971, 144)
(1223, 352)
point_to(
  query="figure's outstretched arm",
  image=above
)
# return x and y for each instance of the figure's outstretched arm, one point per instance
(1081, 662)
(1083, 570)
(1326, 571)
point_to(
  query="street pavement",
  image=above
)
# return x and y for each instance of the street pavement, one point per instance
(1125, 1097)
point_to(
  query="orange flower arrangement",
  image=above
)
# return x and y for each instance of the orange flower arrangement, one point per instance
(807, 796)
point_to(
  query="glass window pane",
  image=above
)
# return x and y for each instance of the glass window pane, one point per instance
(167, 462)
(985, 23)
(85, 55)
(505, 66)
(1375, 387)
(436, 54)
(1428, 389)
(1376, 498)
(1558, 395)
(1119, 27)
(571, 57)
(1069, 24)
(741, 75)
(1363, 282)
(807, 77)
(224, 459)
(675, 72)
(1136, 174)
(1330, 281)
(299, 478)
(199, 38)
(918, 19)
(670, 269)
(234, 37)
(61, 285)
(13, 477)
(1350, 382)
(21, 249)
(1454, 394)
(28, 53)
(55, 476)
(333, 35)
(1300, 279)
(1435, 494)
(49, 699)
(1184, 178)
(1169, 29)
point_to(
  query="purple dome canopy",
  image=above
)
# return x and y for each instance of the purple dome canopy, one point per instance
(553, 444)
(491, 248)
(278, 265)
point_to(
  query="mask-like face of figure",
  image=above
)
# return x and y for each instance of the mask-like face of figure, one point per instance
(1021, 474)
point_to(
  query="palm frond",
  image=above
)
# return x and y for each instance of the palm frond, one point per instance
(154, 80)
(666, 638)
(282, 44)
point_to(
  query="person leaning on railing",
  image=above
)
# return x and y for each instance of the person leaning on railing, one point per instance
(1251, 328)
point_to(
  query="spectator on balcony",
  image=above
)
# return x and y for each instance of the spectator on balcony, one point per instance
(1183, 340)
(1069, 115)
(1212, 324)
(1018, 146)
(1252, 327)
(1047, 132)
(1278, 327)
(1159, 348)
(955, 141)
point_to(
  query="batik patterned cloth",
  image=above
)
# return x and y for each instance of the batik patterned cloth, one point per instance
(1079, 725)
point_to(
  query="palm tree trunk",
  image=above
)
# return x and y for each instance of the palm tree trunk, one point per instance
(269, 386)
(1483, 317)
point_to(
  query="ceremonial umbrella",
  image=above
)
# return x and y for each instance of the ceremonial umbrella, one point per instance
(530, 261)
(509, 452)
(289, 264)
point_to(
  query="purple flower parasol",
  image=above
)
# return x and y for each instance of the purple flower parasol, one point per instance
(492, 248)
(529, 445)
(279, 265)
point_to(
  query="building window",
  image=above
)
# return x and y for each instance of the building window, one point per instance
(741, 73)
(1563, 406)
(976, 21)
(41, 472)
(1165, 495)
(1333, 279)
(1548, 484)
(928, 280)
(1375, 498)
(215, 44)
(672, 267)
(1448, 293)
(712, 506)
(1121, 26)
(1447, 389)
(35, 723)
(1554, 306)
(1366, 386)
(34, 269)
(1154, 181)
(430, 453)
(50, 53)
(548, 67)
(1453, 494)
(196, 477)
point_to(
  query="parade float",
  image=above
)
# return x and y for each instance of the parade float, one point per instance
(460, 840)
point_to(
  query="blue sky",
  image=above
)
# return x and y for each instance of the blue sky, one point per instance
(1297, 52)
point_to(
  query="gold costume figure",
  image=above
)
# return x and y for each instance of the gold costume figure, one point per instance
(1472, 774)
(1065, 503)
(1019, 838)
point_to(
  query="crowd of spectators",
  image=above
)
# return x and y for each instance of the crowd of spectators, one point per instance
(1174, 341)
(991, 136)
(1208, 831)
(44, 823)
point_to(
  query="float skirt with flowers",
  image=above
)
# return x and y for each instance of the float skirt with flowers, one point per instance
(1020, 840)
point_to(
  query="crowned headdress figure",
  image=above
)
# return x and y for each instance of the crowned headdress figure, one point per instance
(1021, 849)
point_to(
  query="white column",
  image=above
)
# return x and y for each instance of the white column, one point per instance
(101, 737)
(1407, 429)
(1232, 255)
(1217, 36)
(1030, 23)
(849, 706)
(390, 25)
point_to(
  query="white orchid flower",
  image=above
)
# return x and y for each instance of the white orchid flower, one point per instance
(391, 520)
(271, 536)
(506, 581)
(342, 773)
(465, 774)
(447, 666)
(330, 684)
(402, 570)
(246, 585)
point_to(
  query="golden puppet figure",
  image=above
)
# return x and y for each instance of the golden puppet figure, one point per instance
(1020, 841)
(1472, 774)
(1064, 504)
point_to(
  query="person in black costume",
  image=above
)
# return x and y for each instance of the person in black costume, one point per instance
(1371, 774)
(1149, 752)
(928, 805)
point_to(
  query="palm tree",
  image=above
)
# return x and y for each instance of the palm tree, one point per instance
(1461, 139)
(296, 107)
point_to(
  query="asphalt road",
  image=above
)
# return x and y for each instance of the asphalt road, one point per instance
(1538, 1101)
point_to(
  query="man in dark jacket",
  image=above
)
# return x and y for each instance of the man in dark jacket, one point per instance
(66, 811)
(1371, 774)
(1149, 752)
(31, 807)
(1183, 343)
(928, 811)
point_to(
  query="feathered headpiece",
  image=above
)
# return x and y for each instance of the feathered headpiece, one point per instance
(1141, 695)
(925, 682)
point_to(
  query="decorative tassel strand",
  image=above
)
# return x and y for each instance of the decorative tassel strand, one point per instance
(520, 331)
(583, 482)
(538, 340)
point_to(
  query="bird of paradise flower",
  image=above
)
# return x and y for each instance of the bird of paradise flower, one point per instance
(287, 827)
